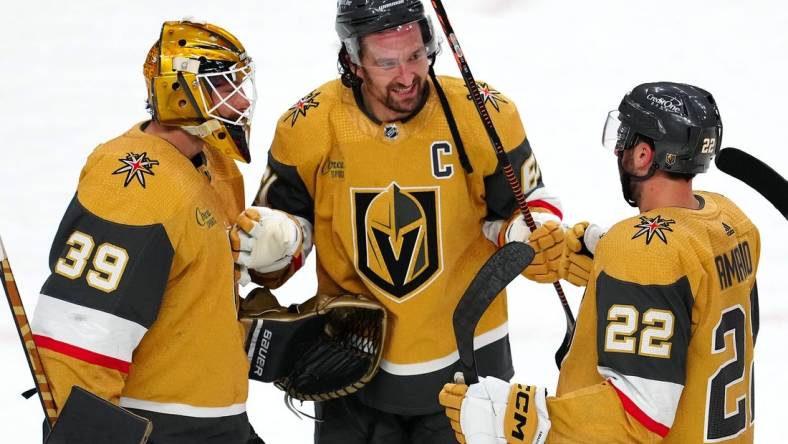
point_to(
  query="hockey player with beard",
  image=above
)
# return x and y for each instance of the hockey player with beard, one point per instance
(389, 172)
(140, 307)
(663, 350)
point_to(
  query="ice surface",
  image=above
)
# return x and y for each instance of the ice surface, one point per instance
(72, 77)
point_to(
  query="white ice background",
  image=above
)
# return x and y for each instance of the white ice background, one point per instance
(71, 77)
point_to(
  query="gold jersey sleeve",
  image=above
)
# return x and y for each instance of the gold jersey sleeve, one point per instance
(663, 350)
(398, 217)
(142, 289)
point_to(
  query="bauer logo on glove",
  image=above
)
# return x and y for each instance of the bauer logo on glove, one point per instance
(324, 348)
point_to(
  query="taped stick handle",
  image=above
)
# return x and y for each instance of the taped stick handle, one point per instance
(26, 338)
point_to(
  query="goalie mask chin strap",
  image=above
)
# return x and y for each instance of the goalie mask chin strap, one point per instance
(204, 130)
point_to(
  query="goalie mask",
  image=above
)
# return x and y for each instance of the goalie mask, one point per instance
(200, 78)
(324, 348)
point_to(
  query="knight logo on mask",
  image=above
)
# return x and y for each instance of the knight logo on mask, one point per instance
(262, 352)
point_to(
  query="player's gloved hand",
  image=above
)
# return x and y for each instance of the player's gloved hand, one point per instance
(547, 241)
(494, 412)
(264, 240)
(578, 255)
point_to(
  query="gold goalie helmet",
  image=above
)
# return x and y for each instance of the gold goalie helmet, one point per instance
(195, 73)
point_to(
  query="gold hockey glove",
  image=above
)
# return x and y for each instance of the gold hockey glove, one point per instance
(578, 255)
(548, 243)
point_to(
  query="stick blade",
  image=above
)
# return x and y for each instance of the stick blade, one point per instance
(499, 270)
(756, 174)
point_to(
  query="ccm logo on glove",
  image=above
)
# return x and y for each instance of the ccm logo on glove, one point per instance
(522, 399)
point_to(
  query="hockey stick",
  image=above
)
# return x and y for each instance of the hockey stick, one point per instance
(757, 175)
(26, 337)
(503, 161)
(499, 270)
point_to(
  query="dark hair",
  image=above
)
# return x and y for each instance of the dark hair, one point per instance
(349, 78)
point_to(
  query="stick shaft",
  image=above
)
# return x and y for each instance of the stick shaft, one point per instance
(26, 338)
(500, 153)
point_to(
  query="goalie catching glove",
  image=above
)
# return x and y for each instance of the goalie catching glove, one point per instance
(266, 240)
(324, 348)
(578, 256)
(493, 411)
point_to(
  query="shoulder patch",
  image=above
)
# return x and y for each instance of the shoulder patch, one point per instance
(301, 107)
(489, 95)
(653, 226)
(136, 166)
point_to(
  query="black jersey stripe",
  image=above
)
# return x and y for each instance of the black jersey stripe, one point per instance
(141, 285)
(675, 298)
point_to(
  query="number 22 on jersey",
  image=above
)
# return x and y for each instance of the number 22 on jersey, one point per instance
(723, 423)
(725, 418)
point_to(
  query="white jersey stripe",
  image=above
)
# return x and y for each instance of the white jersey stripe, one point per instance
(542, 193)
(437, 364)
(86, 328)
(657, 399)
(182, 409)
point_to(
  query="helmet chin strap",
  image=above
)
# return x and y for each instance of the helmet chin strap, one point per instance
(627, 179)
(203, 130)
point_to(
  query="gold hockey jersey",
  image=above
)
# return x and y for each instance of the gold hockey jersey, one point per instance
(398, 214)
(140, 307)
(663, 350)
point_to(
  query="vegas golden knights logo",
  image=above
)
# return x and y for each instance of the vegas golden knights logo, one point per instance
(397, 238)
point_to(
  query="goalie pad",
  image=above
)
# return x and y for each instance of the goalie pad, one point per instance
(324, 348)
(87, 418)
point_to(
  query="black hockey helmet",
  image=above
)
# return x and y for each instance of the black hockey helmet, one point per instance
(682, 122)
(358, 18)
